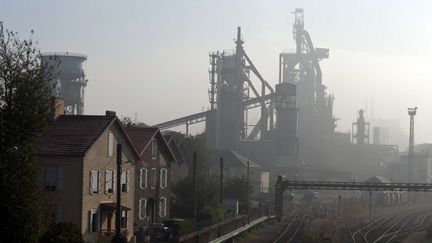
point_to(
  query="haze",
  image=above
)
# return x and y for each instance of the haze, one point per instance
(140, 51)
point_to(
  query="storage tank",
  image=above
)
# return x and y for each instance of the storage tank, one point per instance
(68, 79)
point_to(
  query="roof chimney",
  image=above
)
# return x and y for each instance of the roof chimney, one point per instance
(57, 106)
(110, 113)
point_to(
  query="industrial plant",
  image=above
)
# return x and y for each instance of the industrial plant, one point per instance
(268, 163)
(295, 134)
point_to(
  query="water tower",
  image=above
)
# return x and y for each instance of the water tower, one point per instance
(69, 79)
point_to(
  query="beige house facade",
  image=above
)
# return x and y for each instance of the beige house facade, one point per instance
(78, 157)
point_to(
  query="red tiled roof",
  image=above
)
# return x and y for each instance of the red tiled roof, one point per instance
(73, 134)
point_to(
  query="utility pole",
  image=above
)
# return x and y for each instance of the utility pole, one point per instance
(370, 204)
(247, 192)
(339, 203)
(118, 237)
(194, 187)
(411, 112)
(221, 182)
(195, 195)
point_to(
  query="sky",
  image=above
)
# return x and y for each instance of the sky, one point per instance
(150, 58)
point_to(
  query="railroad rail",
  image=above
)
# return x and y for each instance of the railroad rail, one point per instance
(392, 228)
(293, 227)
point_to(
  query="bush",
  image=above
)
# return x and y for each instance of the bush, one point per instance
(62, 233)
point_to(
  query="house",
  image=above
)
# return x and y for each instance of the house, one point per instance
(153, 183)
(78, 159)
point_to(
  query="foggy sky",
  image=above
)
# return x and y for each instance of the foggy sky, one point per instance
(151, 57)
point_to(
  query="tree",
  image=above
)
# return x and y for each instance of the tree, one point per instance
(24, 113)
(207, 197)
(62, 233)
(238, 189)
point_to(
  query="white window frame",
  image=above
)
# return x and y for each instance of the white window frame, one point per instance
(143, 178)
(107, 184)
(142, 210)
(110, 144)
(163, 178)
(162, 207)
(91, 189)
(154, 149)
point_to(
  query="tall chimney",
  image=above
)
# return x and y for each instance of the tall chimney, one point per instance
(110, 113)
(57, 106)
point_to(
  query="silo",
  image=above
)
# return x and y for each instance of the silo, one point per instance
(68, 79)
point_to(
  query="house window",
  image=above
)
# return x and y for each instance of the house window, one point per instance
(154, 149)
(94, 181)
(162, 206)
(109, 181)
(163, 178)
(153, 178)
(124, 223)
(142, 209)
(110, 144)
(53, 179)
(124, 181)
(93, 220)
(143, 178)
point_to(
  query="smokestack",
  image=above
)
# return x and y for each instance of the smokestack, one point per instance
(57, 106)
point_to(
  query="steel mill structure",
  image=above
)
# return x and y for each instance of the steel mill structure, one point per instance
(295, 132)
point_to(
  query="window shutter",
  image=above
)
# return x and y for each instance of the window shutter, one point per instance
(140, 208)
(127, 181)
(145, 208)
(146, 178)
(107, 174)
(141, 178)
(114, 181)
(160, 207)
(60, 179)
(161, 179)
(90, 182)
(98, 181)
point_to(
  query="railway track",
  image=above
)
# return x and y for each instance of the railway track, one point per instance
(294, 226)
(392, 228)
